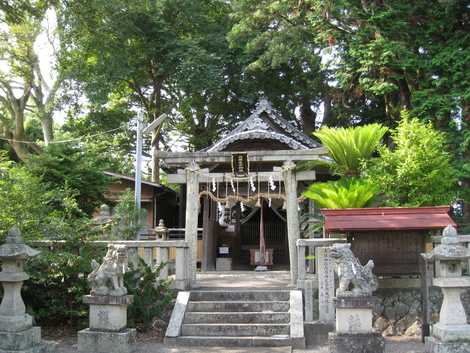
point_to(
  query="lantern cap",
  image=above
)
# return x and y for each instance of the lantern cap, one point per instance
(450, 248)
(15, 247)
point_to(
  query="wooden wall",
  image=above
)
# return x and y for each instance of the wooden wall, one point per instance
(393, 252)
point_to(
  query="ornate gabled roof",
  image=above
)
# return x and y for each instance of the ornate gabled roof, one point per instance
(265, 123)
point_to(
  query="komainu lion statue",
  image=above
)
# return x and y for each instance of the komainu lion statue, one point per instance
(108, 278)
(354, 279)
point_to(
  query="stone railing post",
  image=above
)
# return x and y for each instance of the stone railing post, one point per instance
(181, 268)
(162, 258)
(133, 256)
(148, 256)
(301, 264)
(108, 301)
(17, 333)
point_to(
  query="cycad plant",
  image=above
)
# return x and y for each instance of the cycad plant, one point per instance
(344, 193)
(349, 147)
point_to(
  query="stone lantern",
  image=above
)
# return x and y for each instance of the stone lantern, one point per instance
(17, 333)
(452, 332)
(161, 231)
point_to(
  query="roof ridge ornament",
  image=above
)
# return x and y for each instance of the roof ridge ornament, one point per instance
(271, 126)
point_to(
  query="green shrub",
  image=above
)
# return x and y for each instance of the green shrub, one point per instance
(418, 170)
(343, 193)
(58, 282)
(152, 296)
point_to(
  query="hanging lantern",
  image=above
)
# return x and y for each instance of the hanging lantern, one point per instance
(258, 202)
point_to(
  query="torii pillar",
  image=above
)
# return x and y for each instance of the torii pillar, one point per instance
(293, 225)
(192, 210)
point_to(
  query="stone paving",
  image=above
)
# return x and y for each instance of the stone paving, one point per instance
(393, 345)
(244, 279)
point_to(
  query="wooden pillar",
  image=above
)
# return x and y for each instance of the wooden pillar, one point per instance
(293, 226)
(205, 234)
(192, 210)
(182, 205)
(211, 255)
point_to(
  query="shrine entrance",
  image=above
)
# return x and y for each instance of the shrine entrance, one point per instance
(243, 191)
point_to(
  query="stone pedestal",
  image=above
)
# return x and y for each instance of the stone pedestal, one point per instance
(434, 345)
(452, 332)
(354, 332)
(108, 332)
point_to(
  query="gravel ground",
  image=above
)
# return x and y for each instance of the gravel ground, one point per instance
(393, 345)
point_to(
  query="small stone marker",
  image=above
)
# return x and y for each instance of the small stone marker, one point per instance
(326, 285)
(108, 332)
(17, 333)
(354, 303)
(452, 333)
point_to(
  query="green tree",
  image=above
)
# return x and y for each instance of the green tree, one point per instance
(39, 209)
(154, 54)
(24, 91)
(417, 171)
(350, 147)
(67, 167)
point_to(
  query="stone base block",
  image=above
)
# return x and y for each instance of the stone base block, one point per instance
(108, 317)
(15, 323)
(316, 333)
(354, 320)
(108, 313)
(357, 343)
(451, 333)
(20, 341)
(433, 345)
(105, 342)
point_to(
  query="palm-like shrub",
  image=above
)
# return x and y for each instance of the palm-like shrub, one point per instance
(349, 147)
(344, 193)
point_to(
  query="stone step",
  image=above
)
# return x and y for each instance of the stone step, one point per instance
(236, 317)
(224, 341)
(235, 330)
(252, 295)
(238, 306)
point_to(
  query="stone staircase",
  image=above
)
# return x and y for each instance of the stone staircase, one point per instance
(237, 318)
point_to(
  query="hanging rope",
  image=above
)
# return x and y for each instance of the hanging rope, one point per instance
(239, 198)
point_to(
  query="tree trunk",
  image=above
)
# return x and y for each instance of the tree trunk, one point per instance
(47, 124)
(20, 148)
(308, 117)
(405, 94)
(328, 118)
(155, 160)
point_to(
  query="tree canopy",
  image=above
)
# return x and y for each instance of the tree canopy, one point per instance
(206, 63)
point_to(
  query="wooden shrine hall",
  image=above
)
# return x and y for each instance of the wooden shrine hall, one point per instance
(244, 190)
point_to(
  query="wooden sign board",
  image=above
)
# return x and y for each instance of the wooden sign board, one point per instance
(240, 164)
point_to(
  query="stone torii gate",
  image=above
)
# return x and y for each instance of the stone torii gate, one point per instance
(192, 175)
